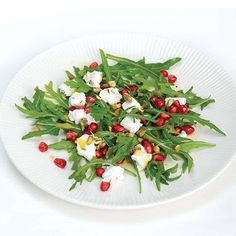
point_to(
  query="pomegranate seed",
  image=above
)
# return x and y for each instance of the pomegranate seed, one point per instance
(104, 86)
(144, 122)
(72, 108)
(183, 109)
(158, 157)
(117, 128)
(120, 162)
(100, 171)
(105, 186)
(160, 122)
(93, 127)
(99, 154)
(164, 73)
(133, 88)
(86, 110)
(90, 99)
(176, 103)
(158, 102)
(94, 65)
(124, 91)
(132, 152)
(164, 116)
(148, 146)
(172, 79)
(43, 147)
(188, 129)
(178, 129)
(173, 109)
(71, 135)
(86, 131)
(61, 163)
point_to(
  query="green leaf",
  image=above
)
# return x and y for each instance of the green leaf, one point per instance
(79, 85)
(63, 145)
(51, 131)
(70, 75)
(38, 98)
(187, 147)
(105, 65)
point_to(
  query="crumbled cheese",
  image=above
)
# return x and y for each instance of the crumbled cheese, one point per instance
(132, 104)
(93, 79)
(183, 134)
(133, 125)
(78, 114)
(68, 91)
(113, 173)
(77, 99)
(110, 95)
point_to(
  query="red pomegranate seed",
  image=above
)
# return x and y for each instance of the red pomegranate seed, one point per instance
(188, 129)
(124, 91)
(93, 127)
(71, 135)
(94, 65)
(90, 99)
(173, 109)
(158, 157)
(183, 109)
(133, 88)
(160, 122)
(99, 154)
(164, 73)
(117, 128)
(178, 129)
(172, 79)
(148, 146)
(158, 102)
(43, 147)
(104, 86)
(144, 122)
(100, 171)
(86, 131)
(72, 108)
(86, 110)
(105, 186)
(176, 103)
(61, 163)
(164, 116)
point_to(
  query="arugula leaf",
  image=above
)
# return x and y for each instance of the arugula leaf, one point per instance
(105, 65)
(79, 85)
(70, 75)
(187, 147)
(63, 145)
(38, 99)
(52, 131)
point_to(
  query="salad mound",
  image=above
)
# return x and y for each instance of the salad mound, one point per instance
(120, 119)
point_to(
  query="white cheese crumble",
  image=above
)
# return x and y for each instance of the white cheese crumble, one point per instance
(133, 125)
(183, 134)
(84, 149)
(77, 99)
(141, 157)
(113, 173)
(78, 114)
(110, 95)
(93, 79)
(132, 104)
(68, 91)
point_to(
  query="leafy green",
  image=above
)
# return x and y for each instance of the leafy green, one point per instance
(105, 65)
(79, 85)
(188, 146)
(63, 145)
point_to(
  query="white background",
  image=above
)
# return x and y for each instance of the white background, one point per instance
(28, 28)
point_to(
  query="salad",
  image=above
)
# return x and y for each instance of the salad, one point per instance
(125, 118)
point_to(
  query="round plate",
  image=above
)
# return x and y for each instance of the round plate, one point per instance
(195, 69)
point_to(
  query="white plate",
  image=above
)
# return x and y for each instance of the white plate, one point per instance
(195, 69)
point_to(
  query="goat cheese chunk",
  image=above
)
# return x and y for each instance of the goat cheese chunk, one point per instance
(133, 125)
(110, 95)
(93, 79)
(84, 149)
(132, 104)
(78, 114)
(141, 157)
(113, 173)
(77, 99)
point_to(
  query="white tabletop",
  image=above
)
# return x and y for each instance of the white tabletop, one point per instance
(27, 210)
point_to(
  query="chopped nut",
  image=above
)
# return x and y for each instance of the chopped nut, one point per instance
(36, 129)
(112, 83)
(89, 140)
(116, 106)
(137, 148)
(100, 145)
(177, 148)
(141, 132)
(127, 97)
(66, 117)
(156, 149)
(130, 135)
(140, 139)
(110, 128)
(145, 105)
(117, 111)
(97, 90)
